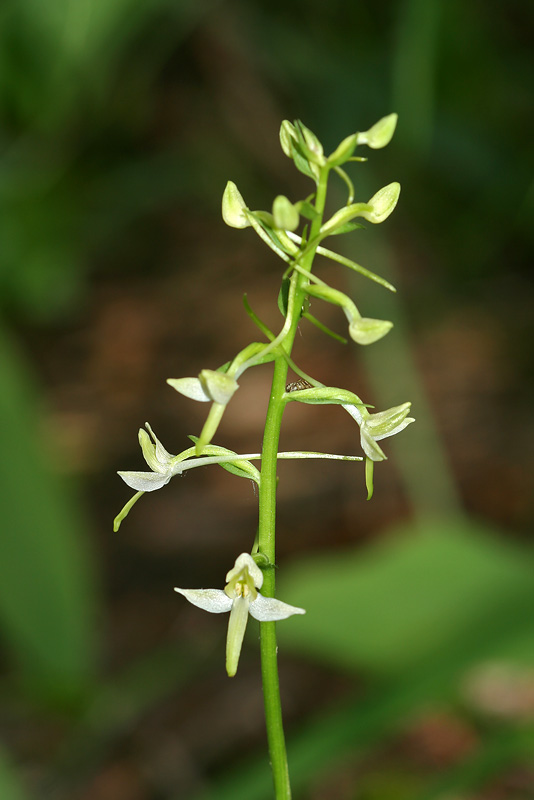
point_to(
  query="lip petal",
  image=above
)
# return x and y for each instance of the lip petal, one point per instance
(237, 625)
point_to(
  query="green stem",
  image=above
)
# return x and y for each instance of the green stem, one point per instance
(266, 540)
(267, 512)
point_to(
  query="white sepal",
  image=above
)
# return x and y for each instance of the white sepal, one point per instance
(268, 609)
(190, 387)
(213, 600)
(145, 481)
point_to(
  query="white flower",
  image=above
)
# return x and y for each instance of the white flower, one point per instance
(165, 466)
(380, 425)
(241, 598)
(162, 464)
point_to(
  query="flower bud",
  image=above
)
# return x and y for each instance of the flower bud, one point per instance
(311, 144)
(287, 133)
(210, 386)
(344, 150)
(233, 207)
(285, 214)
(380, 134)
(345, 215)
(365, 330)
(218, 386)
(383, 203)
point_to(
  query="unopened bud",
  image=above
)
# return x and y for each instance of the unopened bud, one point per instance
(287, 133)
(365, 330)
(233, 207)
(383, 203)
(380, 134)
(344, 150)
(218, 386)
(285, 214)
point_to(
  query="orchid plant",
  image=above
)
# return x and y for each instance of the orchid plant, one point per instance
(277, 228)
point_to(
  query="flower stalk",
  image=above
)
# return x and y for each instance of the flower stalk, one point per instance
(277, 228)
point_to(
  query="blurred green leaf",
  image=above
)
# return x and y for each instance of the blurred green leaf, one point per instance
(47, 595)
(401, 603)
(419, 610)
(10, 786)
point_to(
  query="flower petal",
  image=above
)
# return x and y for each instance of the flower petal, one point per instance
(213, 600)
(268, 609)
(145, 481)
(243, 563)
(237, 625)
(404, 424)
(162, 455)
(388, 422)
(369, 446)
(190, 387)
(218, 386)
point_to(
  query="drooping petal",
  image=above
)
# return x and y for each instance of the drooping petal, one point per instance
(268, 609)
(236, 630)
(354, 411)
(145, 481)
(213, 600)
(369, 446)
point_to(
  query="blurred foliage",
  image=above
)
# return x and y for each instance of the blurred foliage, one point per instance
(10, 787)
(416, 613)
(117, 116)
(75, 104)
(46, 578)
(416, 598)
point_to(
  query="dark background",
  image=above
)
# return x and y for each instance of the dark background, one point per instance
(120, 123)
